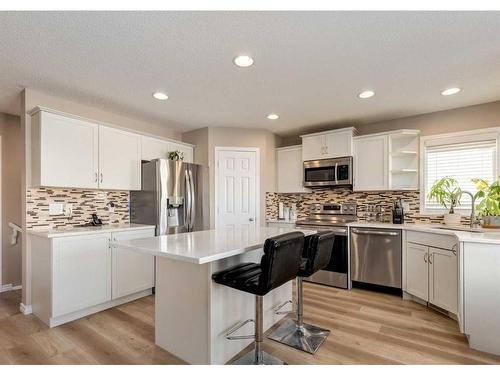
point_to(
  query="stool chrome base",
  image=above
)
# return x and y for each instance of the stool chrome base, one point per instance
(307, 338)
(249, 359)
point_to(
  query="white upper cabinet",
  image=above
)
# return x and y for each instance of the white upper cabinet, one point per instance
(65, 151)
(289, 170)
(329, 144)
(370, 163)
(154, 148)
(119, 159)
(71, 152)
(187, 150)
(386, 161)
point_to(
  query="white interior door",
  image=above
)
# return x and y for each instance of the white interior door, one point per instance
(237, 189)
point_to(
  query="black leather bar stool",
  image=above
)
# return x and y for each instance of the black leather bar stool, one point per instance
(316, 256)
(279, 264)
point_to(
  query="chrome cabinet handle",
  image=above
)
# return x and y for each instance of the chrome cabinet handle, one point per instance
(102, 177)
(336, 167)
(425, 257)
(454, 249)
(430, 258)
(96, 178)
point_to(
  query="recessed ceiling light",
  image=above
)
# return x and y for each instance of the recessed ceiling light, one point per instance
(273, 116)
(451, 91)
(366, 94)
(160, 95)
(243, 61)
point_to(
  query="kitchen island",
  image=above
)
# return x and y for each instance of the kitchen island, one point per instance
(192, 313)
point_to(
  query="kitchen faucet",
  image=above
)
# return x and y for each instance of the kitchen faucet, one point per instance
(473, 220)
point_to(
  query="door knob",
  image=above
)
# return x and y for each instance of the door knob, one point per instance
(251, 219)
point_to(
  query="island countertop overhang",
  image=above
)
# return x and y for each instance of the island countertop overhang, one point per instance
(206, 246)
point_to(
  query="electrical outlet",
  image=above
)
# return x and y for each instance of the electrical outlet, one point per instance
(55, 208)
(406, 206)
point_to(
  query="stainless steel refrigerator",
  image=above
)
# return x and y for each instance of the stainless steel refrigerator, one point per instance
(174, 197)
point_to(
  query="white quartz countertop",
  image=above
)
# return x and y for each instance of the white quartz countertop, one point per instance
(208, 245)
(491, 236)
(87, 230)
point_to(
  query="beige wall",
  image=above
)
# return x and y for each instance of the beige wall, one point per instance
(208, 138)
(199, 138)
(465, 118)
(29, 100)
(11, 145)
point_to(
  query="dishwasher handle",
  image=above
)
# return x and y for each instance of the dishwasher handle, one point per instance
(375, 232)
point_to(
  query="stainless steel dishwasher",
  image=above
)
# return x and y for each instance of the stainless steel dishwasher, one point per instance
(376, 256)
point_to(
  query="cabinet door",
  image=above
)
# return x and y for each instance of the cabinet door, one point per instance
(371, 163)
(417, 271)
(119, 159)
(289, 170)
(153, 148)
(338, 144)
(81, 272)
(132, 271)
(66, 154)
(185, 149)
(313, 148)
(443, 279)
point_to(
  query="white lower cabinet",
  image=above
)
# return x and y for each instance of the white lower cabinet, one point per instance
(432, 273)
(81, 273)
(443, 279)
(75, 276)
(417, 271)
(132, 271)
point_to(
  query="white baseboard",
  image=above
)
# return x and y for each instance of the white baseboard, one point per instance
(25, 309)
(8, 287)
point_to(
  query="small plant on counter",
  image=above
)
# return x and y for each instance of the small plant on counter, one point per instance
(447, 193)
(489, 201)
(175, 155)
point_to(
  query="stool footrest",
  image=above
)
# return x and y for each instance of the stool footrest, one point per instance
(237, 326)
(277, 309)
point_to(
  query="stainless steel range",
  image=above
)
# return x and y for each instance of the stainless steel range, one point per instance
(333, 217)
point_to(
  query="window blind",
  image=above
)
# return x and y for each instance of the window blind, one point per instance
(463, 161)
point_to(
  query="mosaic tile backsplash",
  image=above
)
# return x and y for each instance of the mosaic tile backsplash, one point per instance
(85, 203)
(384, 199)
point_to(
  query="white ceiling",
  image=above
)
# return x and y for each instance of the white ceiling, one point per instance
(309, 66)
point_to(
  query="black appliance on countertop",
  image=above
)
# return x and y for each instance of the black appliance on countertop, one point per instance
(398, 215)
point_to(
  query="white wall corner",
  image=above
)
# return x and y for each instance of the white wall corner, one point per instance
(25, 309)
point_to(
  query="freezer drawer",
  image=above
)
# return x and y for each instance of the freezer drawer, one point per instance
(376, 256)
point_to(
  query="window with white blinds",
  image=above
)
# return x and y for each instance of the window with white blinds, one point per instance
(462, 161)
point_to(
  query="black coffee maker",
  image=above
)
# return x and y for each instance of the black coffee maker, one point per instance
(398, 216)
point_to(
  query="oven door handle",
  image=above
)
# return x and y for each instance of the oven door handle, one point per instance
(335, 172)
(336, 231)
(377, 233)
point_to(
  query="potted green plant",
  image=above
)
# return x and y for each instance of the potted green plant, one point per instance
(175, 155)
(488, 207)
(447, 193)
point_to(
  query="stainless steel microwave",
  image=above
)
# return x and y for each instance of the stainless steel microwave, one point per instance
(328, 172)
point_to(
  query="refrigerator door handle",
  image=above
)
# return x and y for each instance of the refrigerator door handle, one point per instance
(192, 214)
(187, 203)
(163, 224)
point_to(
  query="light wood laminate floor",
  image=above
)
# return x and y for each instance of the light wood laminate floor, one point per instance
(367, 328)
